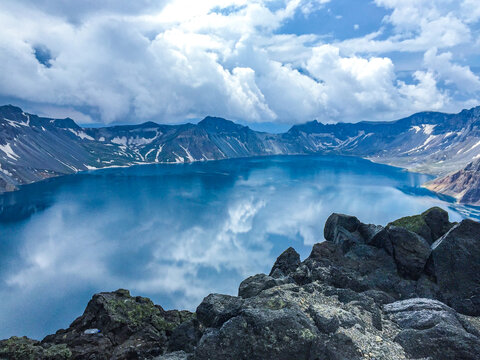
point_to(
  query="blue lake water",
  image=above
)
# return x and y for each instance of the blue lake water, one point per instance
(175, 233)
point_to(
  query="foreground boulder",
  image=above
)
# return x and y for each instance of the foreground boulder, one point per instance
(410, 251)
(455, 262)
(343, 230)
(409, 290)
(430, 329)
(431, 224)
(117, 325)
(313, 321)
(286, 263)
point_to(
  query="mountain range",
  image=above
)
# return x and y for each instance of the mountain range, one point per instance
(33, 148)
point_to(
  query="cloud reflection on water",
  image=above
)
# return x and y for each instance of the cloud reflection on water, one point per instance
(178, 233)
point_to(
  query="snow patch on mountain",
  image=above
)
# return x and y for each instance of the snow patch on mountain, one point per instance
(7, 149)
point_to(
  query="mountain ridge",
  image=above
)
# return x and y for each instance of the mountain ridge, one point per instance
(33, 148)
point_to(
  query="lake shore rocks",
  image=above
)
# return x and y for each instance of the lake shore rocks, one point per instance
(409, 290)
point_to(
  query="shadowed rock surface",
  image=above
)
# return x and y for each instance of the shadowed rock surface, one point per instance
(429, 328)
(454, 266)
(368, 292)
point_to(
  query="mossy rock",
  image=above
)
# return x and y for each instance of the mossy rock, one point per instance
(60, 351)
(131, 311)
(23, 348)
(275, 303)
(431, 224)
(414, 224)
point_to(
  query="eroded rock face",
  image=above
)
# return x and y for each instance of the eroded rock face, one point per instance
(130, 328)
(343, 230)
(368, 292)
(260, 333)
(286, 263)
(216, 309)
(410, 251)
(464, 185)
(430, 329)
(456, 264)
(313, 321)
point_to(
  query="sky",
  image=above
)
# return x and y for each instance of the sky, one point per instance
(266, 63)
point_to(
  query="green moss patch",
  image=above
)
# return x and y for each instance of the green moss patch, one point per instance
(414, 223)
(23, 348)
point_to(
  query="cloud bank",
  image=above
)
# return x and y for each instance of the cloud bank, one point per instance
(167, 61)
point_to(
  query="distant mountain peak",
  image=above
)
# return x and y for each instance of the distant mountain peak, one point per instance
(67, 123)
(212, 123)
(309, 126)
(10, 107)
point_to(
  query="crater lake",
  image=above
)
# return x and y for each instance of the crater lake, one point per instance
(176, 233)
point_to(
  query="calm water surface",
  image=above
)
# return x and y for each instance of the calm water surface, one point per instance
(178, 232)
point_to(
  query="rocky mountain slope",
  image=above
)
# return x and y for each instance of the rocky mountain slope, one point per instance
(464, 185)
(429, 142)
(33, 148)
(409, 290)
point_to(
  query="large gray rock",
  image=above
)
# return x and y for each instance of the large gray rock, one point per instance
(430, 329)
(343, 230)
(308, 322)
(283, 334)
(255, 284)
(455, 262)
(438, 222)
(215, 309)
(286, 263)
(410, 251)
(130, 328)
(334, 221)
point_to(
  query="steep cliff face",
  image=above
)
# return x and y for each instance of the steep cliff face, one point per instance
(463, 185)
(33, 148)
(409, 290)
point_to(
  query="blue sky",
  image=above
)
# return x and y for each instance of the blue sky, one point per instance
(267, 63)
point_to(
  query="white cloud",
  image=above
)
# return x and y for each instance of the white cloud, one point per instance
(425, 93)
(470, 10)
(418, 25)
(309, 6)
(368, 86)
(463, 78)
